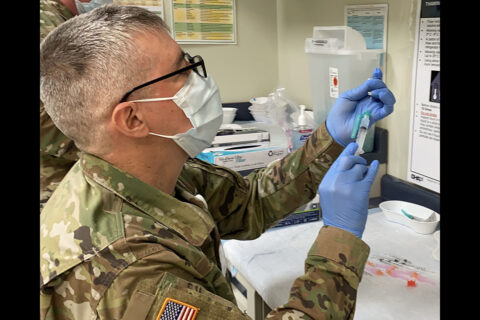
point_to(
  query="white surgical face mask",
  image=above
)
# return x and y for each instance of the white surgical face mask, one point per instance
(83, 7)
(200, 100)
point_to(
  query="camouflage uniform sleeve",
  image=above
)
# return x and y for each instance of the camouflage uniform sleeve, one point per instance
(244, 207)
(333, 270)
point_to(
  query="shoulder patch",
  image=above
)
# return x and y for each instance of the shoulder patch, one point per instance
(176, 310)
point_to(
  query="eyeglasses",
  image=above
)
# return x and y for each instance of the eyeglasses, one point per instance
(196, 64)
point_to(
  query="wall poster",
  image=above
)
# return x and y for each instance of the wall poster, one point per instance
(424, 145)
(204, 21)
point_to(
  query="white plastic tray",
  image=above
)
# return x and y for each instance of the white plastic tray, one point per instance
(393, 212)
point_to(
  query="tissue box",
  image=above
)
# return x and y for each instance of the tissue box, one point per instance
(243, 158)
(306, 213)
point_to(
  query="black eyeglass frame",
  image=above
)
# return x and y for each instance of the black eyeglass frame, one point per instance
(193, 65)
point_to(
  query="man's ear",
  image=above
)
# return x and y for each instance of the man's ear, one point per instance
(129, 119)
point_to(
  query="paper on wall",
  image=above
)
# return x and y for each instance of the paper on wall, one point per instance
(424, 146)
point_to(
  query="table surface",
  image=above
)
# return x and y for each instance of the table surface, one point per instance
(401, 279)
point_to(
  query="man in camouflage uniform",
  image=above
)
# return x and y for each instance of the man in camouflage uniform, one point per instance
(58, 153)
(133, 230)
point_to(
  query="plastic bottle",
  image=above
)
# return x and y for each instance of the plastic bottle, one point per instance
(284, 108)
(302, 131)
(287, 109)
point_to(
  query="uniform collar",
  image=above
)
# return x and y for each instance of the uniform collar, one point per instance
(188, 218)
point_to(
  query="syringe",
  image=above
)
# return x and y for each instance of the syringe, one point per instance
(360, 131)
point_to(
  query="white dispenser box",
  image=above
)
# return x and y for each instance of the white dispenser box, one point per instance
(243, 157)
(338, 61)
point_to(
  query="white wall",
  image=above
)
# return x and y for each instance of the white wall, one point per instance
(250, 67)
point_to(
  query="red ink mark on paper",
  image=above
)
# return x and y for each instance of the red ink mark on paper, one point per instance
(397, 272)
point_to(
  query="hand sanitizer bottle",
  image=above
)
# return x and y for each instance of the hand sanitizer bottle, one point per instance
(301, 132)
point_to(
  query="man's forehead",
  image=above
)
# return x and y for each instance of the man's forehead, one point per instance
(161, 47)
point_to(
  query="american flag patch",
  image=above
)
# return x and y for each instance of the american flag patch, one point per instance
(176, 310)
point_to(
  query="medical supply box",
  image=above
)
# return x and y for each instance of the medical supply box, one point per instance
(243, 158)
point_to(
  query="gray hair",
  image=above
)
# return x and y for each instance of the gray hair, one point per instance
(88, 63)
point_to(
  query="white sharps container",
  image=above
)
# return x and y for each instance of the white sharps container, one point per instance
(338, 61)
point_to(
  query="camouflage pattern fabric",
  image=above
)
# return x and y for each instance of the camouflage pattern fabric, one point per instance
(333, 270)
(57, 152)
(114, 247)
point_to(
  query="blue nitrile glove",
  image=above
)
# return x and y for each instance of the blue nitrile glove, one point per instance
(345, 189)
(341, 118)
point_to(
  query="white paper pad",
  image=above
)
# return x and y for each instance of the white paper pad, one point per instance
(401, 278)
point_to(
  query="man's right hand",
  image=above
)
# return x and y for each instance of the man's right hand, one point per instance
(345, 189)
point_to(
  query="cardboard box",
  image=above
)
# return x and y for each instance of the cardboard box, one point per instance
(243, 158)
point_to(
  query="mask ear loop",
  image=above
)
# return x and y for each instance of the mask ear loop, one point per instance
(161, 135)
(157, 99)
